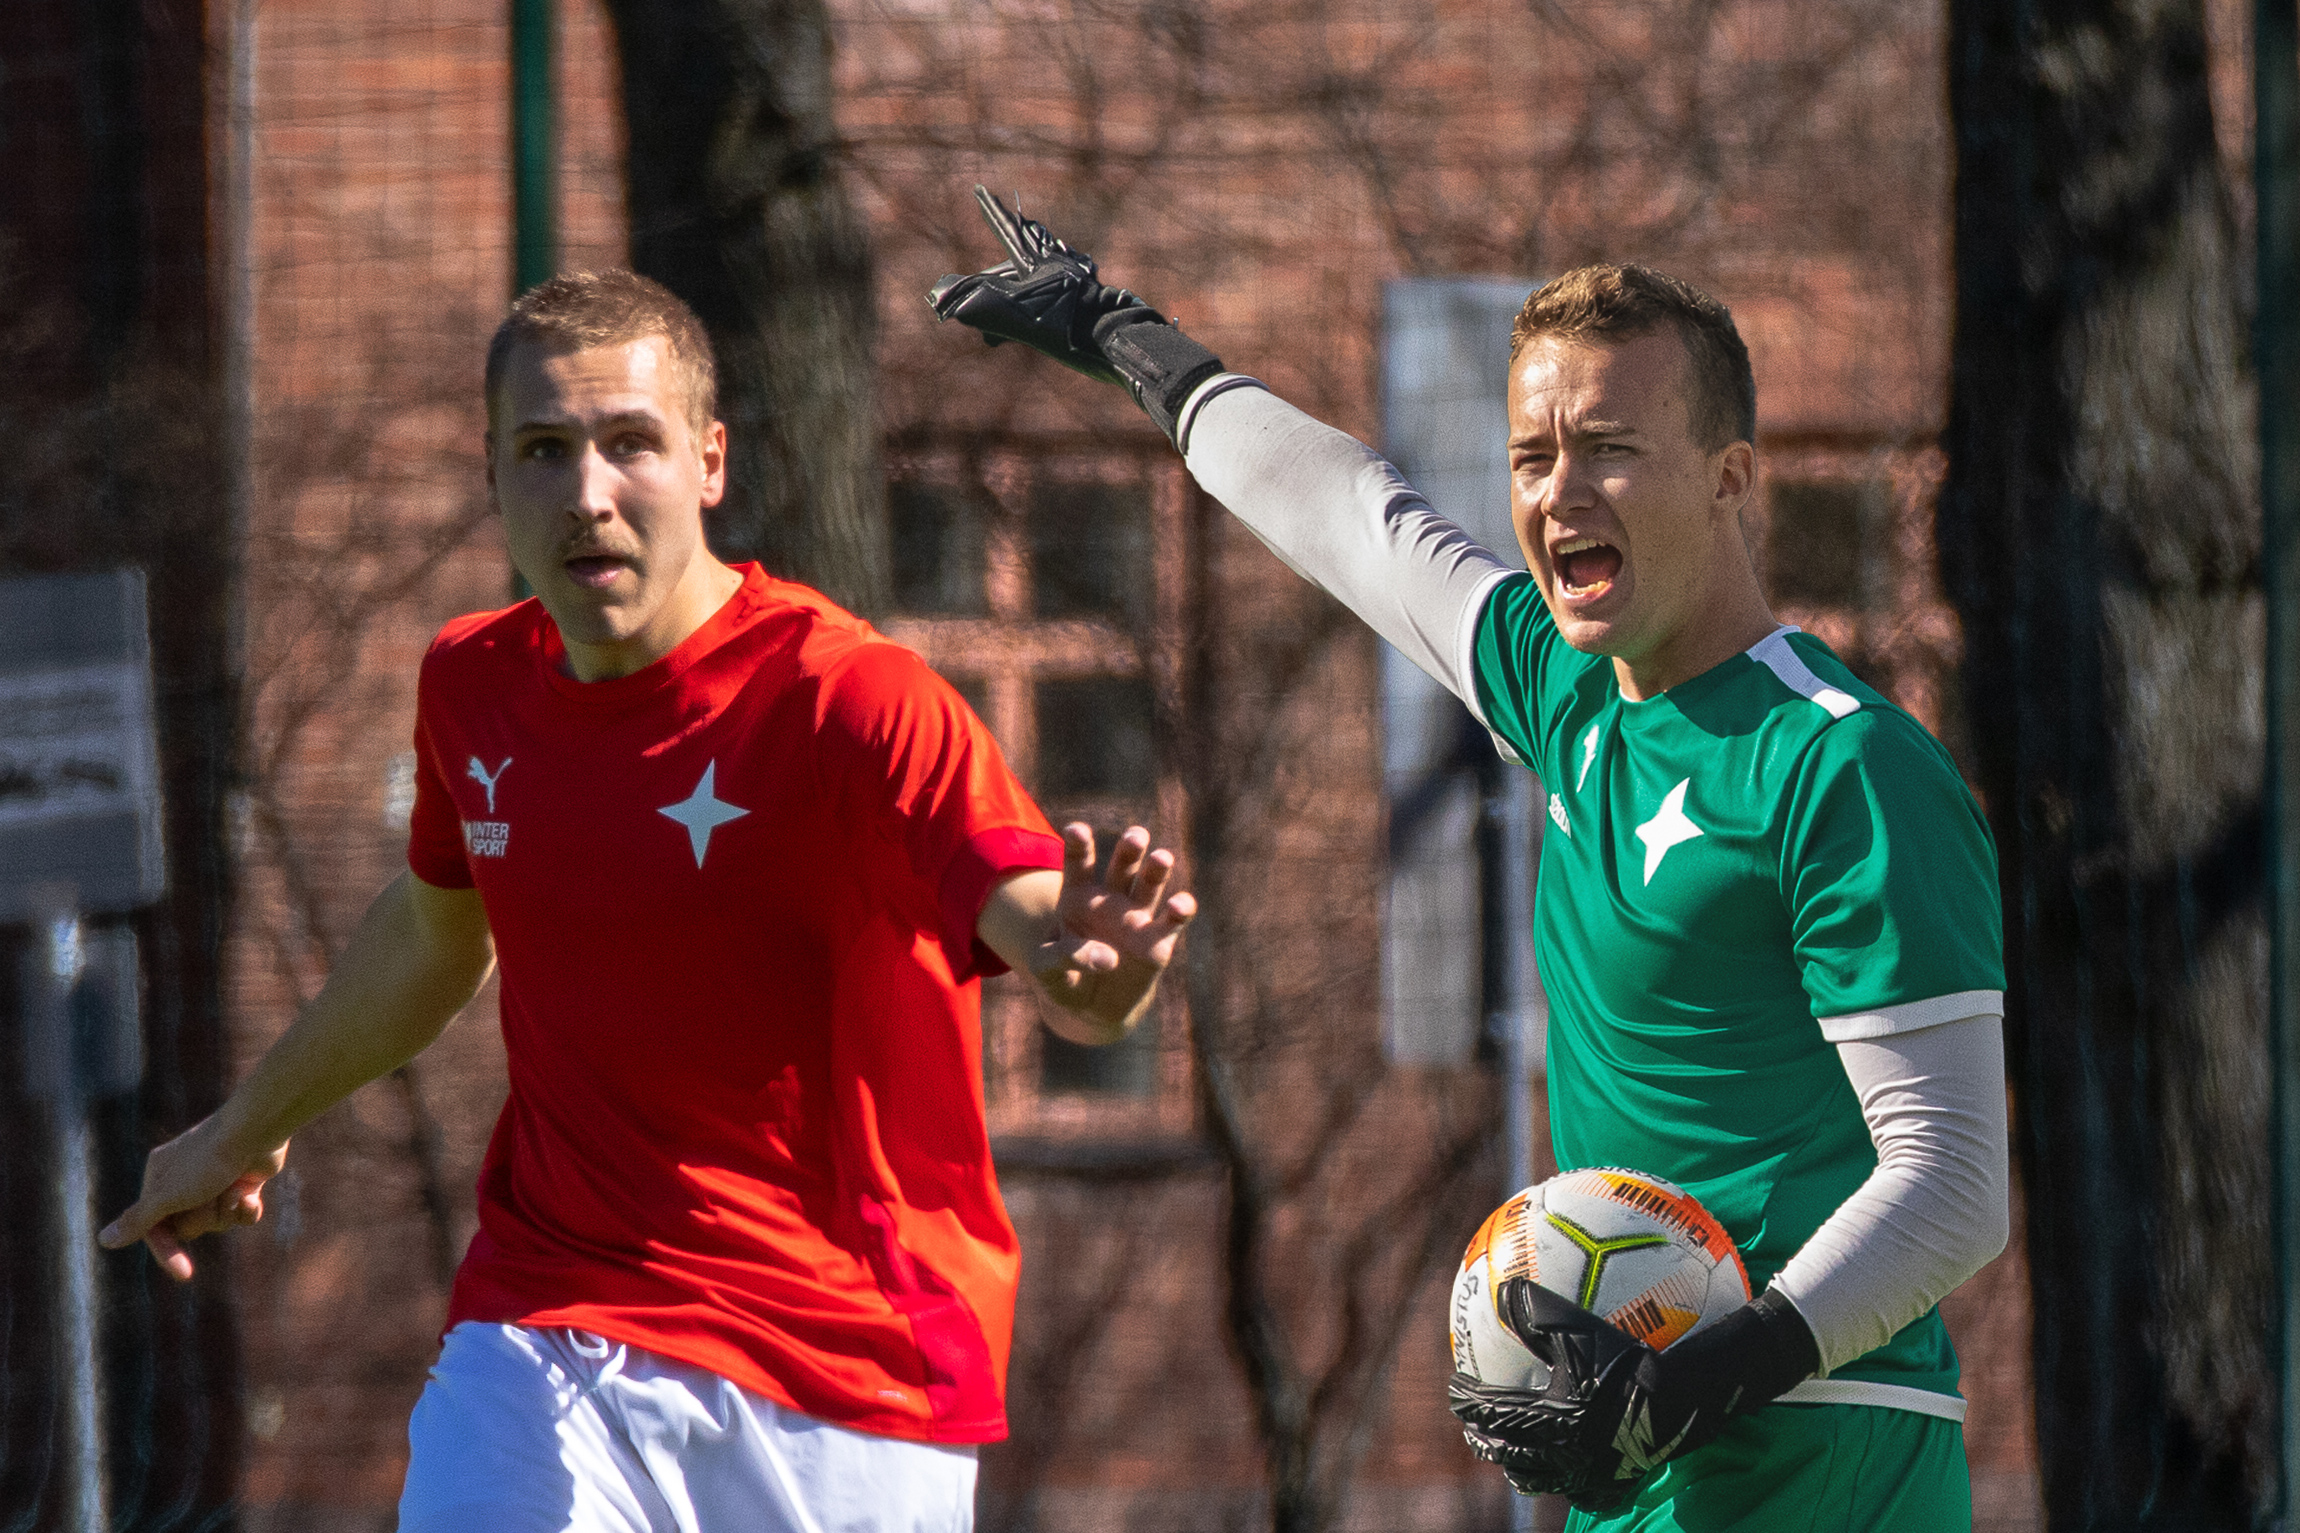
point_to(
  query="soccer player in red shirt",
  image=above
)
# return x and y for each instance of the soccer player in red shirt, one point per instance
(741, 1260)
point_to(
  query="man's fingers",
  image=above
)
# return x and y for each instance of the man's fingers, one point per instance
(1065, 964)
(1091, 957)
(169, 1252)
(1126, 859)
(1077, 851)
(1130, 919)
(240, 1204)
(1156, 869)
(1136, 871)
(125, 1230)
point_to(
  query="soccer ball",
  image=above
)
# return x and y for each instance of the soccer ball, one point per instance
(1633, 1249)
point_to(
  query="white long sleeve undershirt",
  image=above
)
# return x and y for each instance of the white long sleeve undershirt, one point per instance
(1932, 1092)
(1935, 1209)
(1341, 517)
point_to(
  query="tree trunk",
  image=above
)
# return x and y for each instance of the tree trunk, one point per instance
(2100, 537)
(1350, 1186)
(737, 205)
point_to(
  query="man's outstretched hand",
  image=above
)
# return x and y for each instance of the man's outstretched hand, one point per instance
(1052, 299)
(1094, 940)
(193, 1184)
(416, 957)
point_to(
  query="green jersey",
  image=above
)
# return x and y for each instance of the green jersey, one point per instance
(1762, 862)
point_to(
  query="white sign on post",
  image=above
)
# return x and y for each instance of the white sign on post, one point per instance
(79, 834)
(79, 765)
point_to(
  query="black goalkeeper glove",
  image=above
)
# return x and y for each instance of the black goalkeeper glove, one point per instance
(1051, 298)
(1614, 1410)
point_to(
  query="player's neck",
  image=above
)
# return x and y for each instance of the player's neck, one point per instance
(1729, 617)
(704, 587)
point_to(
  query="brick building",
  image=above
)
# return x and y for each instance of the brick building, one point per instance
(1262, 170)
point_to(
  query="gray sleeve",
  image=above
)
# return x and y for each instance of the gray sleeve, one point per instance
(1343, 519)
(1936, 1208)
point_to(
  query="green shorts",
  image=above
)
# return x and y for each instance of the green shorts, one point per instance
(1809, 1469)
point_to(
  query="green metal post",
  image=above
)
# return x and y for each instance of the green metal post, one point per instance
(2276, 175)
(534, 158)
(534, 142)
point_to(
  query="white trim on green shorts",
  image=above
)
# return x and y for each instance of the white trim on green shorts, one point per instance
(1891, 1397)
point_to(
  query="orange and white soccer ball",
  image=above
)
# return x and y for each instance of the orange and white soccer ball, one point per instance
(1631, 1248)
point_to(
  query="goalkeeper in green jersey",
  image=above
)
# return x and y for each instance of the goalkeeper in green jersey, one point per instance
(1767, 913)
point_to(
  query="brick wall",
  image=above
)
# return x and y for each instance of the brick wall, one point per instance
(1260, 170)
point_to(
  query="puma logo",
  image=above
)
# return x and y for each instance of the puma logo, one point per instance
(486, 779)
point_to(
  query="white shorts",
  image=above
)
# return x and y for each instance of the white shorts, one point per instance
(526, 1431)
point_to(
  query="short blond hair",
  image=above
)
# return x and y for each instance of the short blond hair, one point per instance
(1611, 304)
(577, 311)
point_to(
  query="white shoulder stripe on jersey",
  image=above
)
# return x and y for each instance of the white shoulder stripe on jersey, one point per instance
(1893, 1397)
(1465, 655)
(1773, 653)
(1912, 1016)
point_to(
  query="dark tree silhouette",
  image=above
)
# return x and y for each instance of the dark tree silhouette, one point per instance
(737, 204)
(2099, 534)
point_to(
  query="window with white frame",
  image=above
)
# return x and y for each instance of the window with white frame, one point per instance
(1046, 586)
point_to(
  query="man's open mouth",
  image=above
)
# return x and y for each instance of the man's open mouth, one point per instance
(1585, 566)
(593, 570)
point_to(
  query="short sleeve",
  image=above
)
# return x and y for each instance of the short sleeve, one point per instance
(1890, 879)
(435, 851)
(1518, 656)
(898, 748)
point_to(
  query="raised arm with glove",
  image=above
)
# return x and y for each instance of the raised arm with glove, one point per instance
(1051, 298)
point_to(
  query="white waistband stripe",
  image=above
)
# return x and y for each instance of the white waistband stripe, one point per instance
(1891, 1397)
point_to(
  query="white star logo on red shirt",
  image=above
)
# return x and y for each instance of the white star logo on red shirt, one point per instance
(702, 812)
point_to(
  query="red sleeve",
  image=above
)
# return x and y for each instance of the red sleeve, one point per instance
(435, 851)
(899, 748)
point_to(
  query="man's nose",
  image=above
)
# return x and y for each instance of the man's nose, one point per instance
(1572, 485)
(594, 486)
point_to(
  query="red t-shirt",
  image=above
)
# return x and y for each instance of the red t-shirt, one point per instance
(734, 897)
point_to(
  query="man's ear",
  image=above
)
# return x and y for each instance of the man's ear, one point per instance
(493, 504)
(1736, 479)
(714, 447)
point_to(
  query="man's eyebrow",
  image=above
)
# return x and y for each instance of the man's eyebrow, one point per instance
(632, 418)
(1580, 429)
(606, 422)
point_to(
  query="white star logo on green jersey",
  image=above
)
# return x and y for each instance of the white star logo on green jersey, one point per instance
(1666, 829)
